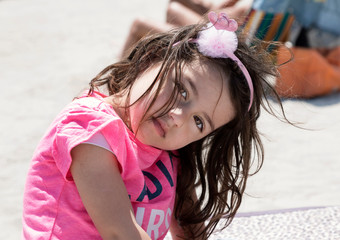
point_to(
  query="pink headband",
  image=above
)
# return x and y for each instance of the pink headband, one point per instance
(221, 41)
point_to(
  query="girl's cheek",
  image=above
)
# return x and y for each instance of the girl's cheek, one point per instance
(138, 113)
(135, 116)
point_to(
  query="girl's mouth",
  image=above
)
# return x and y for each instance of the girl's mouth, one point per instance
(158, 126)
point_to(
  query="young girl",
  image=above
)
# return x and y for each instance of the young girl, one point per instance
(179, 118)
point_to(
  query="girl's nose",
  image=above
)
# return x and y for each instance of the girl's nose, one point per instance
(178, 116)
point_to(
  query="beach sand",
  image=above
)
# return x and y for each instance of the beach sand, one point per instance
(49, 51)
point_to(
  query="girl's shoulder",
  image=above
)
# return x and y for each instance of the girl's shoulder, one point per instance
(94, 102)
(87, 115)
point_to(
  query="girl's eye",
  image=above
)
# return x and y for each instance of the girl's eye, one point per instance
(183, 93)
(199, 123)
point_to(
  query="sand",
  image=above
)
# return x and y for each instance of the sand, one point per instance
(49, 50)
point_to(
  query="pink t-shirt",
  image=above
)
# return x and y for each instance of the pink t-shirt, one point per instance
(52, 205)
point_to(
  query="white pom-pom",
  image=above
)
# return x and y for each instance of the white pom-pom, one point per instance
(216, 43)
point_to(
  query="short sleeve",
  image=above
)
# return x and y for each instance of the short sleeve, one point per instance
(76, 127)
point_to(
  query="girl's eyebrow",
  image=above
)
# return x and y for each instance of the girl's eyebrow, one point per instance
(193, 87)
(212, 126)
(195, 91)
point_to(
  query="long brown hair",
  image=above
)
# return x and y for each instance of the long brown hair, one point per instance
(218, 164)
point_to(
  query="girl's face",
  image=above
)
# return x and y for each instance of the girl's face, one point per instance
(203, 105)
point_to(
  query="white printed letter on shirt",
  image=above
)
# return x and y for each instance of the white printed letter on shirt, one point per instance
(153, 227)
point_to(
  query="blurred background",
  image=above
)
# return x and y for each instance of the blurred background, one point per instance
(50, 50)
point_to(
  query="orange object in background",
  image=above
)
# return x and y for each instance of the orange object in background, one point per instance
(310, 73)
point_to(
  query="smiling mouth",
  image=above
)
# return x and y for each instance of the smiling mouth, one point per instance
(158, 126)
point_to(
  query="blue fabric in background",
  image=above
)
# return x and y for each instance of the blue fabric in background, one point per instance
(321, 14)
